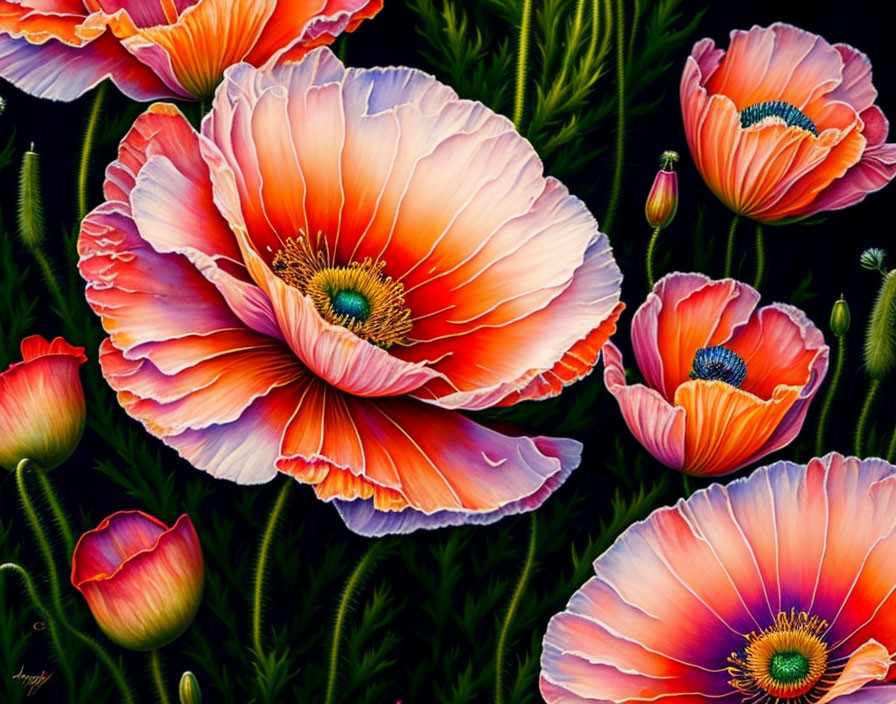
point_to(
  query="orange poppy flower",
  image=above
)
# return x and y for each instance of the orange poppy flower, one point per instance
(59, 49)
(783, 125)
(726, 384)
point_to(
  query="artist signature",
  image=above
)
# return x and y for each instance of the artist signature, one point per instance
(33, 682)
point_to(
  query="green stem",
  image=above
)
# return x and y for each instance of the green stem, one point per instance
(56, 509)
(51, 281)
(686, 483)
(39, 534)
(347, 593)
(616, 189)
(891, 450)
(650, 247)
(729, 249)
(261, 566)
(573, 41)
(522, 64)
(829, 396)
(87, 149)
(500, 652)
(52, 627)
(595, 28)
(760, 257)
(155, 667)
(863, 418)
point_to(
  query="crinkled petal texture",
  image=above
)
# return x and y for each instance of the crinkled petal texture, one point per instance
(773, 170)
(142, 580)
(512, 291)
(42, 409)
(60, 49)
(678, 593)
(711, 427)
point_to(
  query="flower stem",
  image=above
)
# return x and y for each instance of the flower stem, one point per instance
(863, 418)
(522, 64)
(500, 652)
(261, 566)
(686, 483)
(829, 396)
(760, 257)
(616, 189)
(351, 585)
(891, 450)
(56, 509)
(650, 247)
(729, 249)
(87, 149)
(52, 627)
(155, 667)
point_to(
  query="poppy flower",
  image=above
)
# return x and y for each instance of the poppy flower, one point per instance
(775, 588)
(42, 410)
(783, 125)
(725, 384)
(60, 49)
(142, 580)
(342, 260)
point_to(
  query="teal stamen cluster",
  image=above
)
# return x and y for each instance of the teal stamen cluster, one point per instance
(719, 364)
(792, 115)
(352, 304)
(788, 668)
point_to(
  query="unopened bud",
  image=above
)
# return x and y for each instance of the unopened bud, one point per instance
(662, 202)
(31, 209)
(840, 318)
(188, 690)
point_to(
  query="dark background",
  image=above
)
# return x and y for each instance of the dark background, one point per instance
(429, 611)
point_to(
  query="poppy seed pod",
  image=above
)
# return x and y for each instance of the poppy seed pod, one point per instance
(662, 202)
(840, 318)
(188, 690)
(142, 580)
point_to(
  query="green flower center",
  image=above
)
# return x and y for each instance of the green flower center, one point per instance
(792, 115)
(787, 668)
(352, 304)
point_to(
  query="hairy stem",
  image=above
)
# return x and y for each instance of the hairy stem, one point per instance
(650, 247)
(264, 552)
(829, 396)
(87, 148)
(863, 417)
(616, 189)
(500, 651)
(760, 257)
(52, 626)
(155, 668)
(348, 592)
(56, 509)
(522, 64)
(891, 450)
(729, 249)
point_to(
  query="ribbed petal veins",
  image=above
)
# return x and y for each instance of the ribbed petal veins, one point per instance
(220, 347)
(678, 593)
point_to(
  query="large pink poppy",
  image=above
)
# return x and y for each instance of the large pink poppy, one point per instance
(59, 49)
(336, 265)
(783, 124)
(775, 588)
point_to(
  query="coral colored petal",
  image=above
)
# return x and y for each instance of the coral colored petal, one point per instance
(56, 71)
(856, 88)
(29, 21)
(869, 663)
(724, 426)
(102, 550)
(654, 422)
(781, 62)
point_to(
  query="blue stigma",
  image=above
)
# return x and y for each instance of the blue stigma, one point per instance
(792, 116)
(719, 363)
(352, 304)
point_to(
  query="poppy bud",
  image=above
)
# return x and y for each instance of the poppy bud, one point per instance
(840, 318)
(662, 202)
(42, 409)
(188, 691)
(142, 580)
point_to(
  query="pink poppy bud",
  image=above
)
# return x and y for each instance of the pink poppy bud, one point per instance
(662, 203)
(42, 410)
(142, 580)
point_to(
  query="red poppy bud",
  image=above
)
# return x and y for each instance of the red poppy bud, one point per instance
(662, 203)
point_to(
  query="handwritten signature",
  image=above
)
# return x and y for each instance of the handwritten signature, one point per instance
(33, 682)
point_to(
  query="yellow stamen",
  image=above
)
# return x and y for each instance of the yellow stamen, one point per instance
(357, 297)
